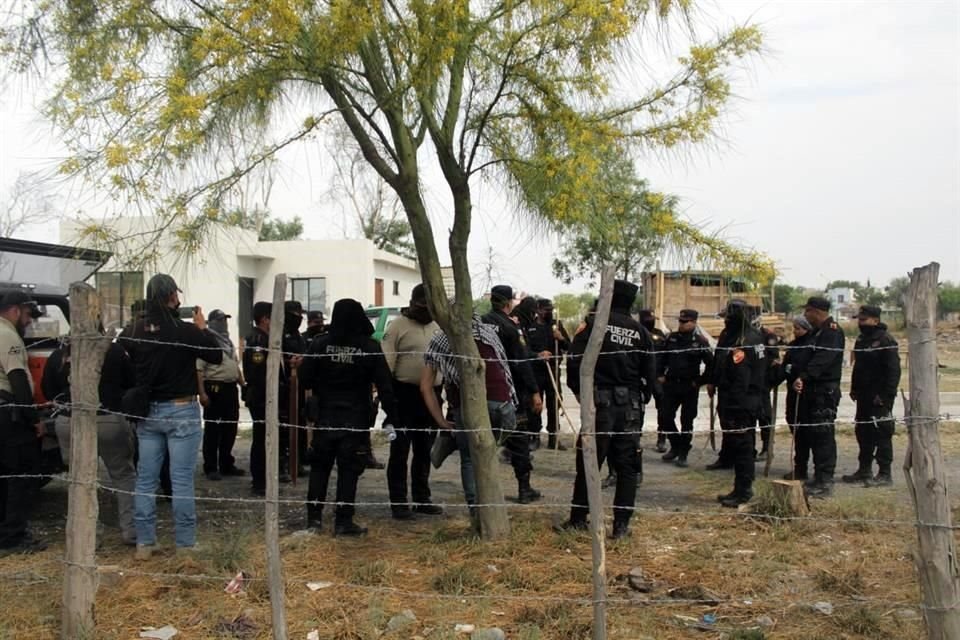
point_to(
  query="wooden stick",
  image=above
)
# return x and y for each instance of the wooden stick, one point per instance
(924, 467)
(80, 575)
(272, 508)
(588, 415)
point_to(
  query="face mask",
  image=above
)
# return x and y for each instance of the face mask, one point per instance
(867, 329)
(649, 324)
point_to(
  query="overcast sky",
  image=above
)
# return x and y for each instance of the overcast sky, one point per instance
(840, 157)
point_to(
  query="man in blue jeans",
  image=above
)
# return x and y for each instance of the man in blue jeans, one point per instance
(164, 350)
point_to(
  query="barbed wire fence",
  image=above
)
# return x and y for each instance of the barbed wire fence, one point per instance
(924, 470)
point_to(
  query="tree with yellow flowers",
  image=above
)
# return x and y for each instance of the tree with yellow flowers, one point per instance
(531, 93)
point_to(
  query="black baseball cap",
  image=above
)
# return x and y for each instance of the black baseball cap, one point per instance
(818, 302)
(545, 303)
(869, 311)
(314, 315)
(502, 291)
(687, 315)
(293, 306)
(16, 297)
(217, 314)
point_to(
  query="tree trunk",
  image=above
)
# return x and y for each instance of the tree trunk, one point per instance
(272, 506)
(456, 321)
(924, 467)
(88, 348)
(588, 417)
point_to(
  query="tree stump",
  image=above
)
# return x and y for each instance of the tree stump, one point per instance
(789, 494)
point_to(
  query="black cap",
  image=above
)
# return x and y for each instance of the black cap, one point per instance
(293, 306)
(545, 303)
(262, 310)
(217, 314)
(419, 294)
(502, 291)
(646, 314)
(160, 287)
(688, 314)
(735, 306)
(14, 297)
(818, 302)
(869, 311)
(624, 294)
(314, 315)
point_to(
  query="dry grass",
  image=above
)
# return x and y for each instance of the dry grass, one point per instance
(757, 568)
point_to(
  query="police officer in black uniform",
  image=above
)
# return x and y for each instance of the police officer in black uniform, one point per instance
(679, 375)
(316, 327)
(795, 361)
(876, 375)
(524, 315)
(623, 384)
(649, 321)
(294, 346)
(255, 349)
(819, 387)
(340, 369)
(739, 376)
(767, 421)
(550, 343)
(515, 346)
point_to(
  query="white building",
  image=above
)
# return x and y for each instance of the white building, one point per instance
(232, 270)
(843, 302)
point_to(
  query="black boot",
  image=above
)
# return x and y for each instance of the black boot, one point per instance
(719, 464)
(401, 512)
(742, 493)
(820, 487)
(535, 442)
(621, 529)
(670, 456)
(348, 528)
(661, 442)
(883, 479)
(682, 461)
(573, 524)
(314, 517)
(860, 475)
(525, 493)
(609, 481)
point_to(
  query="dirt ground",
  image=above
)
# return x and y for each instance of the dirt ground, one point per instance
(711, 573)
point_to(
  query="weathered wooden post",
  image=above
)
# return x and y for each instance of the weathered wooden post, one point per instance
(924, 467)
(272, 508)
(87, 350)
(588, 420)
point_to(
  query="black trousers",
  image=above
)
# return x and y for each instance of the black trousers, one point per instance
(220, 425)
(258, 447)
(17, 494)
(765, 421)
(683, 395)
(619, 414)
(820, 412)
(417, 433)
(348, 451)
(875, 428)
(738, 426)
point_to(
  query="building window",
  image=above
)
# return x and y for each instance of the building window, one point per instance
(311, 293)
(118, 290)
(396, 287)
(840, 298)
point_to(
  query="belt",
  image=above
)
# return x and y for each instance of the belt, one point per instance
(183, 400)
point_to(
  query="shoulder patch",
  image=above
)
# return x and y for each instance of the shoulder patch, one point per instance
(14, 350)
(738, 356)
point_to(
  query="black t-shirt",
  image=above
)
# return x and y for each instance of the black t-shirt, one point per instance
(164, 350)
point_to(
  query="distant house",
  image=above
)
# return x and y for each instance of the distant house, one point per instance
(667, 292)
(234, 269)
(843, 302)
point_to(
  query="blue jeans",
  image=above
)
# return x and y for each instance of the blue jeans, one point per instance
(172, 427)
(503, 418)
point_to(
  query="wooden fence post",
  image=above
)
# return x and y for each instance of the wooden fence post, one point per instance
(924, 466)
(87, 349)
(588, 418)
(272, 508)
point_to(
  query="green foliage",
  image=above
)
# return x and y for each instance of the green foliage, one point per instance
(571, 308)
(894, 292)
(481, 306)
(788, 299)
(949, 297)
(267, 228)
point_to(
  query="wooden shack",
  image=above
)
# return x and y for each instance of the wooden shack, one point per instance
(667, 292)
